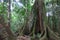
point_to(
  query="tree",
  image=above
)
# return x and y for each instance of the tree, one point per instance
(7, 26)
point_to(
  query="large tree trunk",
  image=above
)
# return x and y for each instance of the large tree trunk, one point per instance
(38, 13)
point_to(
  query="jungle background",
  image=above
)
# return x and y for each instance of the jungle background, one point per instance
(29, 19)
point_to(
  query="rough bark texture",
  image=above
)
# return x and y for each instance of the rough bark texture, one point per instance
(37, 16)
(49, 34)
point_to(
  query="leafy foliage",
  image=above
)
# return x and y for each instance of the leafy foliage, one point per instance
(19, 14)
(3, 5)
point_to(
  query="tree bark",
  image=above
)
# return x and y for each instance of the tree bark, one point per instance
(7, 26)
(38, 13)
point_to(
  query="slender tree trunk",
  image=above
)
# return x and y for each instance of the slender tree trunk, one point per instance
(11, 36)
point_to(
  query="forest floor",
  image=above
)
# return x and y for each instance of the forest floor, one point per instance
(23, 37)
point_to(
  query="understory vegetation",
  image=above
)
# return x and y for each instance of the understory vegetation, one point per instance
(29, 19)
